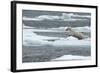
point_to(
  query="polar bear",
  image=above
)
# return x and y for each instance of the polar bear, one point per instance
(78, 35)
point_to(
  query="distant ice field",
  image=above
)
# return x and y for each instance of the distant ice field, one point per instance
(55, 19)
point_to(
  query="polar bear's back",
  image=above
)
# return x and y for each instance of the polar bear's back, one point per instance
(78, 35)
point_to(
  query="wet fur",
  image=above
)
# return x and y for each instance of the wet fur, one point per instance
(78, 35)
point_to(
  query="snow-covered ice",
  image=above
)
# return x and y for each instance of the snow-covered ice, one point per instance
(31, 39)
(71, 57)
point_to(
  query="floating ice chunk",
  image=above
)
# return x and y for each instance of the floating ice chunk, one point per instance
(71, 57)
(72, 38)
(27, 27)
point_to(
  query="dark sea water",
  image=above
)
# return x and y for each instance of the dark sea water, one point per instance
(55, 24)
(47, 53)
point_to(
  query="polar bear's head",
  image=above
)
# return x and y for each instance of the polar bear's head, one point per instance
(68, 29)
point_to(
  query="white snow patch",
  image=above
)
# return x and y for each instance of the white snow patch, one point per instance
(71, 57)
